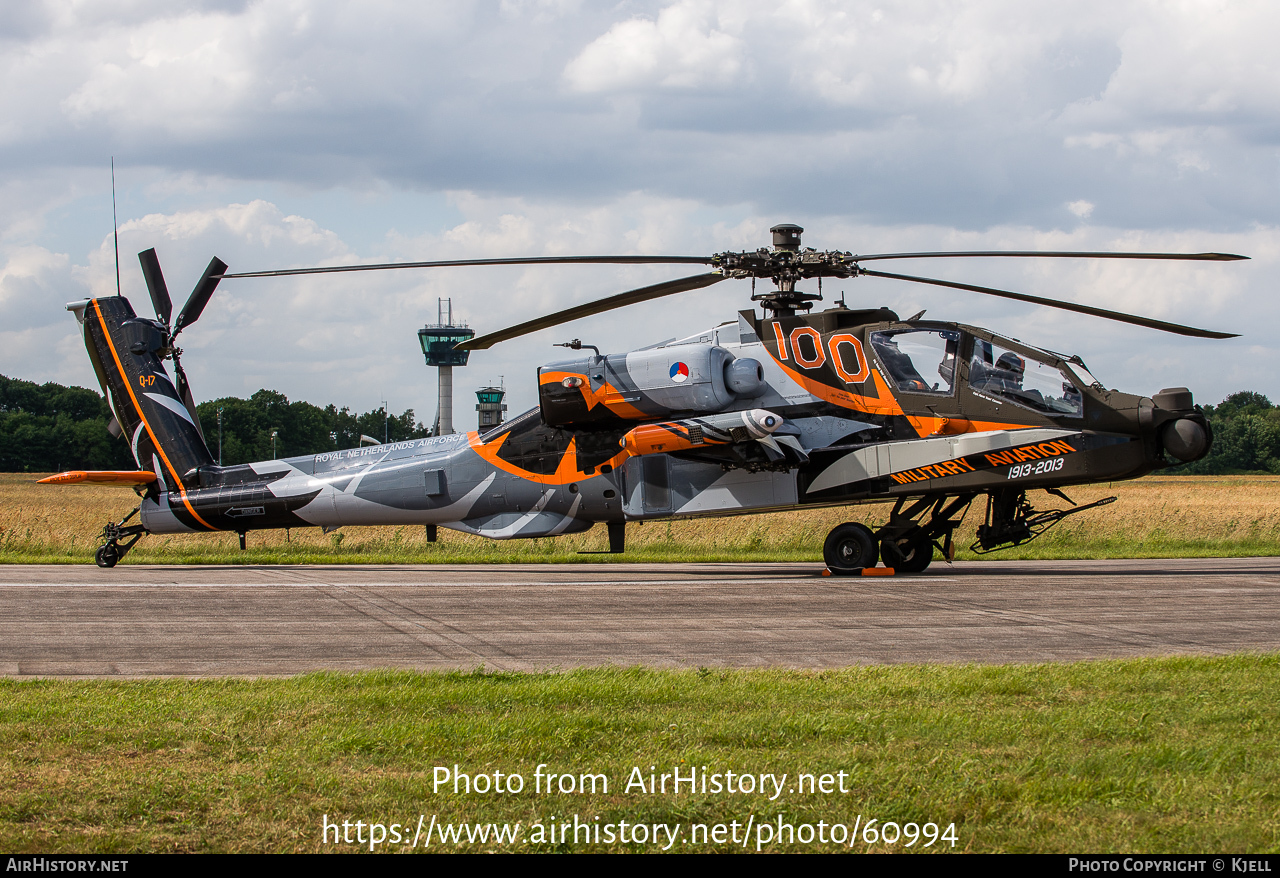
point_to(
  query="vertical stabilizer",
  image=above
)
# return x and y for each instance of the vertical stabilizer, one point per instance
(127, 355)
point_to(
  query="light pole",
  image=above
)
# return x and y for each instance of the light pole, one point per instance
(219, 435)
(274, 433)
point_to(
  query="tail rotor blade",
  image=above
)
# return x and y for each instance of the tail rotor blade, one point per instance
(184, 392)
(200, 295)
(155, 285)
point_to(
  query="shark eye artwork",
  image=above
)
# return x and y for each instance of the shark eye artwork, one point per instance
(776, 409)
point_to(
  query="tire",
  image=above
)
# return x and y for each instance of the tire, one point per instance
(849, 548)
(107, 556)
(918, 555)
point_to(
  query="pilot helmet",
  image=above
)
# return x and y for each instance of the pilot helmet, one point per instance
(1011, 362)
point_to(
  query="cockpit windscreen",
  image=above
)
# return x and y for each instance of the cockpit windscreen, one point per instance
(1020, 379)
(919, 360)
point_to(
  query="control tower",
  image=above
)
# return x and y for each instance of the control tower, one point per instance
(491, 407)
(437, 340)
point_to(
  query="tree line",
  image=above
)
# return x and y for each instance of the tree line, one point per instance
(1246, 437)
(50, 428)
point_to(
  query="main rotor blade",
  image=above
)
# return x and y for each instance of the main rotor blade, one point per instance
(156, 286)
(631, 297)
(1085, 254)
(523, 260)
(1065, 306)
(200, 295)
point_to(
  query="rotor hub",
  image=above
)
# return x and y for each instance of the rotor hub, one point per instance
(785, 265)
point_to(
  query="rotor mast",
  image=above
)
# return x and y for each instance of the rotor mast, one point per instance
(786, 264)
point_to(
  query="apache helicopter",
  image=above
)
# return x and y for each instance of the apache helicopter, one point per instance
(766, 412)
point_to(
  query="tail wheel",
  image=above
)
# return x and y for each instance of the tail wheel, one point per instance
(849, 548)
(107, 556)
(914, 557)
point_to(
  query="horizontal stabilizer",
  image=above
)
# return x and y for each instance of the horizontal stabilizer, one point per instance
(100, 477)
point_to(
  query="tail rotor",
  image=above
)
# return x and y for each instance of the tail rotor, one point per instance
(189, 314)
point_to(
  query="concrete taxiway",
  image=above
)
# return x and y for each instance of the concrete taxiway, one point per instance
(204, 621)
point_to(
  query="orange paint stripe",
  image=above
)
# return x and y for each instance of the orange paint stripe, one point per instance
(954, 426)
(608, 395)
(887, 404)
(182, 491)
(566, 472)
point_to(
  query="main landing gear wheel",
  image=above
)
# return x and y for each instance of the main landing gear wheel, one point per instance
(107, 555)
(849, 548)
(912, 558)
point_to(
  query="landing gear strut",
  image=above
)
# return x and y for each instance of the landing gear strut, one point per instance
(112, 549)
(906, 542)
(909, 537)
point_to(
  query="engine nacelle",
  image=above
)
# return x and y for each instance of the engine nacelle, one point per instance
(642, 385)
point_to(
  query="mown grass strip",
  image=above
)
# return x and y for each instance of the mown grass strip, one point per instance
(1157, 517)
(1146, 755)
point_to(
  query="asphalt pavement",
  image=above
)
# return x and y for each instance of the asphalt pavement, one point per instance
(79, 620)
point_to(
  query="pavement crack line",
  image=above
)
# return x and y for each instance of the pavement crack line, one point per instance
(411, 616)
(352, 599)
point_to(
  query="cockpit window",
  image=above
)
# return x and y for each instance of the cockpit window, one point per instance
(1020, 379)
(1080, 372)
(919, 360)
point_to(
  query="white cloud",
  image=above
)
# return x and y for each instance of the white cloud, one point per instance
(683, 48)
(1081, 208)
(916, 111)
(1199, 57)
(38, 340)
(31, 280)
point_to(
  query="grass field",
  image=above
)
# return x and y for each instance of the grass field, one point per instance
(1112, 756)
(1148, 756)
(1153, 517)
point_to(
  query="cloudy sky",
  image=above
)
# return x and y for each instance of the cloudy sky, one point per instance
(286, 133)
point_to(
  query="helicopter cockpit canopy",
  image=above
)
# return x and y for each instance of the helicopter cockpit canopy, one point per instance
(1023, 380)
(916, 358)
(924, 361)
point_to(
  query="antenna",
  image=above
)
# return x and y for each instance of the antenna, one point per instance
(115, 224)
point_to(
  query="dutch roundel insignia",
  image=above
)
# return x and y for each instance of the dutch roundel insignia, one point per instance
(679, 373)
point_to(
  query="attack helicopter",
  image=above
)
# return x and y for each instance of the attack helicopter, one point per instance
(773, 410)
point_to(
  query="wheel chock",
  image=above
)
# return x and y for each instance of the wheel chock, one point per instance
(864, 571)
